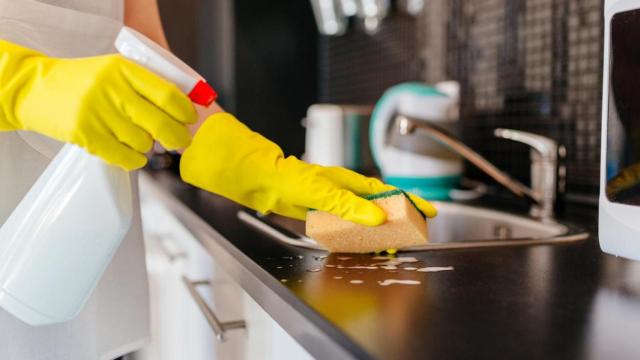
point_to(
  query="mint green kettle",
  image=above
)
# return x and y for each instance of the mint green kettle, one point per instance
(417, 164)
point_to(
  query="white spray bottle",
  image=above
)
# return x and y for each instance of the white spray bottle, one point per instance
(59, 240)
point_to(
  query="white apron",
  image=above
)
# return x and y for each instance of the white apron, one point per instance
(115, 320)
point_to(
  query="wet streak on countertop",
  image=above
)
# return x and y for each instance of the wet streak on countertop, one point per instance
(540, 302)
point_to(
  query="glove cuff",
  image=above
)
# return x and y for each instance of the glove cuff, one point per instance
(225, 155)
(14, 79)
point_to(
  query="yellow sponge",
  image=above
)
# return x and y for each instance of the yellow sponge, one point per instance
(405, 226)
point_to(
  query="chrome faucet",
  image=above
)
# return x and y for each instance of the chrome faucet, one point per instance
(544, 162)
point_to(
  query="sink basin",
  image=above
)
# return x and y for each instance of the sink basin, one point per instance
(456, 226)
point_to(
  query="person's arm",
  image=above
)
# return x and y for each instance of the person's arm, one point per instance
(144, 16)
(229, 159)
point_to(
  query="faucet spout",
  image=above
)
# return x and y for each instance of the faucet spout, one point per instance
(407, 125)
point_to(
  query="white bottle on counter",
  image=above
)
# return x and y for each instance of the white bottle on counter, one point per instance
(59, 240)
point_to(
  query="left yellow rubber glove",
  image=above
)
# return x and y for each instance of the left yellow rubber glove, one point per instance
(107, 104)
(227, 158)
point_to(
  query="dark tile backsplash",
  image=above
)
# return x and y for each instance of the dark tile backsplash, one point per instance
(356, 68)
(533, 65)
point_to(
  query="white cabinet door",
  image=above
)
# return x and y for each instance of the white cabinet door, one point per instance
(167, 300)
(266, 339)
(178, 327)
(222, 298)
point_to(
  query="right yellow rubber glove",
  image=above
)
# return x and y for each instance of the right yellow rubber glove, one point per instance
(107, 104)
(229, 159)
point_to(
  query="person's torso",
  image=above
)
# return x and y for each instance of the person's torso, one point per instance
(115, 319)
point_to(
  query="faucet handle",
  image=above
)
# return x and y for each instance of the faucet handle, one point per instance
(544, 168)
(545, 147)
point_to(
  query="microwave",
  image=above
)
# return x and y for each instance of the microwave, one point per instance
(619, 200)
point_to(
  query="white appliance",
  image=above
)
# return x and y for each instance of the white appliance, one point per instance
(338, 135)
(436, 170)
(619, 225)
(56, 244)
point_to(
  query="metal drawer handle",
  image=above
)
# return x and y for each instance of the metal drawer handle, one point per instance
(219, 328)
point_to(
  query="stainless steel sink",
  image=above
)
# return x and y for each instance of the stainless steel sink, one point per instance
(456, 226)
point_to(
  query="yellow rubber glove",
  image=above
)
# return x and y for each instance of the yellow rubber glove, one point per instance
(229, 159)
(107, 104)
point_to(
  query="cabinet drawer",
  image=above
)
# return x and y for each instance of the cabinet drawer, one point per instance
(266, 339)
(179, 325)
(191, 295)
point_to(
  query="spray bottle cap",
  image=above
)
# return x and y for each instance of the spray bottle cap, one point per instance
(142, 50)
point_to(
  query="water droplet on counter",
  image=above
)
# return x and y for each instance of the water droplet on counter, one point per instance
(402, 282)
(283, 280)
(343, 258)
(278, 267)
(337, 277)
(329, 266)
(436, 269)
(356, 281)
(395, 261)
(314, 270)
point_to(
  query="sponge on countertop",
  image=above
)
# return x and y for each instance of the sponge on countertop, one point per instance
(405, 226)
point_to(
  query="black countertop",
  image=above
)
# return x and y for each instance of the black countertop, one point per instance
(539, 302)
